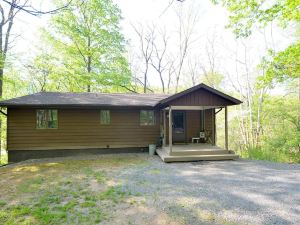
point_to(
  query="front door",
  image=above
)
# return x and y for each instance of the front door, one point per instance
(178, 126)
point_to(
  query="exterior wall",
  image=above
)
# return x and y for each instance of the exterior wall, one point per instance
(79, 129)
(200, 97)
(193, 124)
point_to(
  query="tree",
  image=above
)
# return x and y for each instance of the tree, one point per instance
(87, 46)
(8, 12)
(186, 29)
(244, 15)
(158, 60)
(276, 66)
(282, 65)
(210, 72)
(146, 40)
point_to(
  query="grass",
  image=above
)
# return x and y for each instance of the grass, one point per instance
(60, 193)
(155, 171)
(98, 175)
(3, 158)
(274, 156)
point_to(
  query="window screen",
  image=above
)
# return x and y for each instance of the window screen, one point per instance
(105, 117)
(147, 117)
(46, 119)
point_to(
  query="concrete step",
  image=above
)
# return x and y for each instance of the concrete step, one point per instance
(189, 158)
(200, 152)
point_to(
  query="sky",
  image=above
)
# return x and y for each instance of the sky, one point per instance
(210, 25)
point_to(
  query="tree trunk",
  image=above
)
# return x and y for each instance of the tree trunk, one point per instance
(162, 82)
(145, 78)
(89, 65)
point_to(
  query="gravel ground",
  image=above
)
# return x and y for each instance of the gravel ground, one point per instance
(219, 192)
(207, 192)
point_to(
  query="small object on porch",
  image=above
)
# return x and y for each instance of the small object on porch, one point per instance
(202, 137)
(202, 134)
(152, 149)
(195, 139)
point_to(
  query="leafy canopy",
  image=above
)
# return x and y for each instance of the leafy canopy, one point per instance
(86, 47)
(244, 15)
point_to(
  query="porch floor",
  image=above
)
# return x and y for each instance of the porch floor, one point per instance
(194, 152)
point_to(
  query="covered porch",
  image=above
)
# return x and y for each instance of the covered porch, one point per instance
(188, 126)
(180, 143)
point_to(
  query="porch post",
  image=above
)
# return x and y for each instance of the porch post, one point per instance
(226, 128)
(170, 129)
(213, 127)
(165, 127)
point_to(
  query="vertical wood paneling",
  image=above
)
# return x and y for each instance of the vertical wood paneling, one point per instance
(200, 98)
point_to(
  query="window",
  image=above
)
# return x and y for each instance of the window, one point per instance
(105, 117)
(46, 119)
(147, 117)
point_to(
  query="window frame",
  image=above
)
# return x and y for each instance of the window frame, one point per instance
(154, 117)
(45, 128)
(105, 124)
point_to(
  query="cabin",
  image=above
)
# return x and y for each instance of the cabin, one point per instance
(54, 124)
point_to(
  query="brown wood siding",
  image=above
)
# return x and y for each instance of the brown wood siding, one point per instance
(200, 98)
(79, 128)
(193, 123)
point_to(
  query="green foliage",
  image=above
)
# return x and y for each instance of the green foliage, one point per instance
(245, 14)
(86, 49)
(213, 79)
(271, 155)
(282, 132)
(282, 65)
(279, 139)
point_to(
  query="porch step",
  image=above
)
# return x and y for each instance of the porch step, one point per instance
(188, 158)
(200, 152)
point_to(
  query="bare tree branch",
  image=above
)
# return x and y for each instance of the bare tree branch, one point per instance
(146, 45)
(157, 61)
(33, 11)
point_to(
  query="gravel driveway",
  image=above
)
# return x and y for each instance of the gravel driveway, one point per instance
(219, 192)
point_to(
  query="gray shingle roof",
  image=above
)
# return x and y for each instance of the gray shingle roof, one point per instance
(85, 99)
(71, 99)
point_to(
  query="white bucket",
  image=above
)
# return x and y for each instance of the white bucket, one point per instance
(152, 149)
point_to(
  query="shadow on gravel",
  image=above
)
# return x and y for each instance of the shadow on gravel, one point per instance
(227, 192)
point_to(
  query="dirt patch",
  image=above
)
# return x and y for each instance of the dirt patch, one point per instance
(95, 186)
(142, 214)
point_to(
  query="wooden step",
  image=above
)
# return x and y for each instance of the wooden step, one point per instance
(200, 152)
(189, 158)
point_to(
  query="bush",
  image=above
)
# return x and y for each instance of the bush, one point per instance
(271, 155)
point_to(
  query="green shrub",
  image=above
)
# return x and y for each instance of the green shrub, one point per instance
(271, 155)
